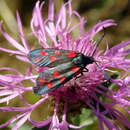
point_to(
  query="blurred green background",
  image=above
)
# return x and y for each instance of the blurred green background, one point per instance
(92, 10)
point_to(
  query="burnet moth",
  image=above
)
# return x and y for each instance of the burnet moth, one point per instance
(63, 65)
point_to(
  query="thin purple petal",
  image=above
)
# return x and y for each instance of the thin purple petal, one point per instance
(21, 33)
(21, 122)
(12, 120)
(51, 10)
(40, 123)
(12, 51)
(37, 25)
(99, 26)
(114, 50)
(12, 41)
(15, 109)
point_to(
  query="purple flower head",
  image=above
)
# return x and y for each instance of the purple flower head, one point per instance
(89, 90)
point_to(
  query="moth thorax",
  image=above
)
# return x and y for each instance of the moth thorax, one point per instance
(78, 60)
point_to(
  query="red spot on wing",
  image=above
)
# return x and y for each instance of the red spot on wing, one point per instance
(52, 58)
(57, 52)
(75, 68)
(71, 54)
(55, 74)
(49, 85)
(43, 53)
(62, 79)
(42, 81)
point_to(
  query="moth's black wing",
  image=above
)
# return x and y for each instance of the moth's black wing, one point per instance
(53, 78)
(51, 57)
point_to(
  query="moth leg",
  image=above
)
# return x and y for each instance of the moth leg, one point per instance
(85, 70)
(81, 74)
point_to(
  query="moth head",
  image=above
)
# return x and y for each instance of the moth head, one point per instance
(88, 60)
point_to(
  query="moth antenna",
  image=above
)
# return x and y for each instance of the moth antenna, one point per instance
(99, 41)
(106, 75)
